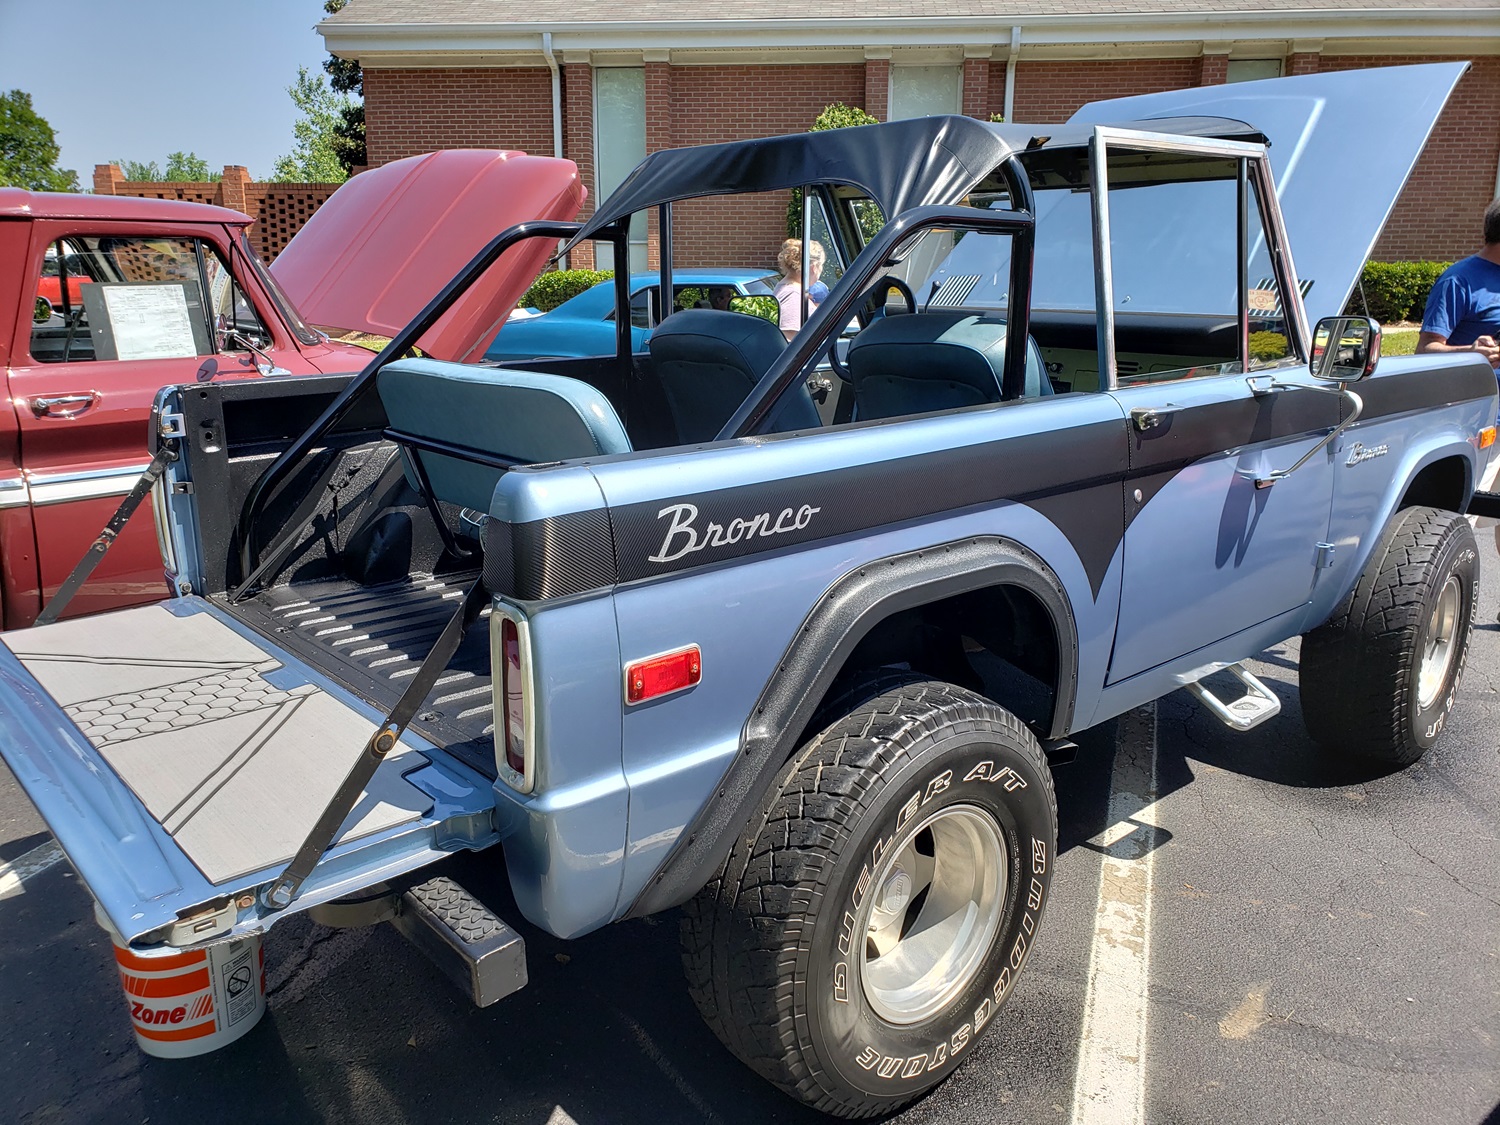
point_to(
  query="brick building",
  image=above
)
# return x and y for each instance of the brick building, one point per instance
(603, 84)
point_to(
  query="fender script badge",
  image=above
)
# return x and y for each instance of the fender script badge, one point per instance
(683, 538)
(1359, 452)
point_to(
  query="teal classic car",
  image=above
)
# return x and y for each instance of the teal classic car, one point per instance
(585, 325)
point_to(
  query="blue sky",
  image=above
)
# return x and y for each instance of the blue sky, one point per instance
(137, 79)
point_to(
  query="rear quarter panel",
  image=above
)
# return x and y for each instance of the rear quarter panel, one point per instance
(744, 613)
(1418, 410)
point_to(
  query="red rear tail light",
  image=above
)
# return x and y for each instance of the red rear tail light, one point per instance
(662, 675)
(513, 702)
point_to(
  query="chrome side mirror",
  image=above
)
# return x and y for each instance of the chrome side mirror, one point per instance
(1345, 348)
(42, 312)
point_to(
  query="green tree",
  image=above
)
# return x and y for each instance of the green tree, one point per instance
(836, 116)
(189, 167)
(182, 167)
(346, 77)
(28, 148)
(140, 172)
(314, 158)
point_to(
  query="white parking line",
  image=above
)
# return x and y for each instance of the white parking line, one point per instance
(23, 867)
(1110, 1087)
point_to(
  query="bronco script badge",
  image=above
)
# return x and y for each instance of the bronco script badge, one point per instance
(684, 537)
(1360, 452)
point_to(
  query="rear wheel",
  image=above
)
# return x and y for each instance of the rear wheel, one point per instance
(872, 919)
(1379, 680)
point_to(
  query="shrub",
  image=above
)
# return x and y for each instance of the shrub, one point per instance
(1267, 346)
(1394, 291)
(556, 286)
(767, 308)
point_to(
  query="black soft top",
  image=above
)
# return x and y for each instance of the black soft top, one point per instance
(899, 165)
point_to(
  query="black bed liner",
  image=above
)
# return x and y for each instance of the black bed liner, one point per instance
(372, 639)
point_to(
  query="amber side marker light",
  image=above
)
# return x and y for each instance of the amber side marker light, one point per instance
(1485, 437)
(662, 675)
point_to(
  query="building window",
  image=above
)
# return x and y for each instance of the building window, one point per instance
(1248, 70)
(619, 145)
(922, 91)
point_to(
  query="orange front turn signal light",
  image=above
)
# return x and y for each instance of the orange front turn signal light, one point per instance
(662, 675)
(1486, 437)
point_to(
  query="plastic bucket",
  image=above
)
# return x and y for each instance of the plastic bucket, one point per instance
(194, 1002)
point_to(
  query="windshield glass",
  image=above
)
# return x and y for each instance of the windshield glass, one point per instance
(1172, 244)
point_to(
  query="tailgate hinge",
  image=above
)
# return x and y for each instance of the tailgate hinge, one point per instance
(1324, 557)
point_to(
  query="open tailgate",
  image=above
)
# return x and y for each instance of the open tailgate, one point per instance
(181, 760)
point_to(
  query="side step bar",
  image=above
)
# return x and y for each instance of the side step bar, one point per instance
(1485, 504)
(1258, 704)
(473, 948)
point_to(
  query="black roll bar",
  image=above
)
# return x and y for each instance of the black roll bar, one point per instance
(400, 344)
(806, 344)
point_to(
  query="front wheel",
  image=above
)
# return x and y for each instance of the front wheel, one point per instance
(872, 919)
(1379, 680)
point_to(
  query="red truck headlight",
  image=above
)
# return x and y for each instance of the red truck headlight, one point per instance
(515, 698)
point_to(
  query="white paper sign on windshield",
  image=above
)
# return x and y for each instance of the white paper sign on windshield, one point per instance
(150, 321)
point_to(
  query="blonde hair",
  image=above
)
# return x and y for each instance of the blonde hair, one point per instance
(789, 260)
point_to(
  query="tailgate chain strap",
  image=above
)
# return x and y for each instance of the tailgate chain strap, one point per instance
(169, 432)
(281, 893)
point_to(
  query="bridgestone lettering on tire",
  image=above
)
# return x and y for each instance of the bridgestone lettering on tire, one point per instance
(1362, 683)
(925, 819)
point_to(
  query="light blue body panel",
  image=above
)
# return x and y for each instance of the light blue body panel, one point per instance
(565, 840)
(139, 875)
(1210, 555)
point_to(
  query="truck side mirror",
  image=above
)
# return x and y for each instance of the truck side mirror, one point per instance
(1345, 348)
(42, 312)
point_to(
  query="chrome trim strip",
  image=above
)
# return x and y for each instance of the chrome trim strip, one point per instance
(14, 493)
(1104, 281)
(91, 484)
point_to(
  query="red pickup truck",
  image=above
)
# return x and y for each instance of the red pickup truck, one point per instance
(111, 298)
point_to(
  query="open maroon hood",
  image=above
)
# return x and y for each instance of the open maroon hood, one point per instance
(389, 239)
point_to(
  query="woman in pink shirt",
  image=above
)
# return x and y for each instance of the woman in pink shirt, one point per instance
(789, 289)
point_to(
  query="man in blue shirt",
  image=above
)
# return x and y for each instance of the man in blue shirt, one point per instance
(1463, 314)
(1463, 310)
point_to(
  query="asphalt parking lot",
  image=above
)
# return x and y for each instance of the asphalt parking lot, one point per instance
(1313, 942)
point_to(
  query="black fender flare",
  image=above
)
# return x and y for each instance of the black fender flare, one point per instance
(845, 613)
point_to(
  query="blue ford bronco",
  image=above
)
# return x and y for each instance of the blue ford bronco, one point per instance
(785, 633)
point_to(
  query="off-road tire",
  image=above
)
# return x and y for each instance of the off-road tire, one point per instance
(770, 946)
(1360, 672)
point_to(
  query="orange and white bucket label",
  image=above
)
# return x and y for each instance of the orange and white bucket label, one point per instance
(191, 1003)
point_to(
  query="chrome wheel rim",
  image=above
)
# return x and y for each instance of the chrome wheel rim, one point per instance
(931, 912)
(1440, 646)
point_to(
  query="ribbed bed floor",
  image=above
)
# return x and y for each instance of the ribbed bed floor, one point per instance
(372, 639)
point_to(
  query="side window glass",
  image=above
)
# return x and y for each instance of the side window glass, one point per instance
(122, 298)
(1173, 224)
(642, 308)
(235, 319)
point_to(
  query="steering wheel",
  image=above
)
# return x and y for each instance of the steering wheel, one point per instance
(874, 300)
(871, 305)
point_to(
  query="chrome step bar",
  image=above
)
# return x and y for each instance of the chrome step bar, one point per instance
(1257, 705)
